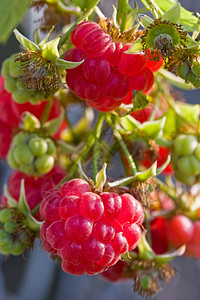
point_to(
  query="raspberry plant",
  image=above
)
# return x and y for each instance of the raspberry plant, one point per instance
(121, 73)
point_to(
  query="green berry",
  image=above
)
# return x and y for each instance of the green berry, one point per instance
(27, 169)
(5, 68)
(10, 227)
(21, 96)
(38, 146)
(194, 79)
(189, 180)
(182, 70)
(3, 235)
(23, 155)
(5, 215)
(51, 150)
(185, 144)
(20, 138)
(188, 165)
(197, 152)
(11, 160)
(19, 85)
(14, 68)
(10, 84)
(44, 164)
(17, 248)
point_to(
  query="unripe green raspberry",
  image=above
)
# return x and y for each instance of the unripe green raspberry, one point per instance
(21, 96)
(188, 165)
(183, 69)
(185, 144)
(189, 180)
(10, 227)
(38, 146)
(5, 215)
(23, 155)
(10, 84)
(197, 152)
(14, 68)
(20, 138)
(11, 160)
(17, 248)
(28, 169)
(5, 67)
(6, 246)
(3, 235)
(195, 80)
(44, 164)
(19, 85)
(51, 148)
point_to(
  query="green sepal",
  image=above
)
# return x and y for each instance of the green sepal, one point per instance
(130, 18)
(46, 39)
(72, 10)
(52, 126)
(26, 43)
(30, 122)
(129, 123)
(144, 20)
(11, 201)
(154, 129)
(173, 14)
(140, 101)
(161, 141)
(62, 64)
(164, 258)
(145, 251)
(136, 46)
(23, 206)
(114, 18)
(68, 148)
(139, 176)
(164, 165)
(101, 177)
(32, 223)
(190, 43)
(81, 171)
(122, 10)
(175, 80)
(50, 50)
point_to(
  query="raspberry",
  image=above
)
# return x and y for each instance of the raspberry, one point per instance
(115, 273)
(75, 55)
(130, 64)
(154, 65)
(96, 69)
(113, 53)
(111, 88)
(80, 226)
(159, 235)
(81, 31)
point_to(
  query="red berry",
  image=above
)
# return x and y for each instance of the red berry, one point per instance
(130, 64)
(88, 239)
(159, 235)
(154, 65)
(116, 86)
(75, 55)
(180, 230)
(115, 273)
(113, 53)
(81, 31)
(96, 69)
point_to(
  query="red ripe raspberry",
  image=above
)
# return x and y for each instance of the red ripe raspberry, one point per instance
(193, 247)
(5, 139)
(159, 235)
(154, 65)
(79, 33)
(180, 230)
(116, 87)
(130, 64)
(113, 53)
(75, 54)
(115, 273)
(89, 231)
(35, 188)
(96, 69)
(141, 81)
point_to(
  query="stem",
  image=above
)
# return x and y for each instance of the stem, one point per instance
(122, 11)
(96, 149)
(148, 227)
(86, 148)
(155, 109)
(166, 189)
(123, 146)
(46, 112)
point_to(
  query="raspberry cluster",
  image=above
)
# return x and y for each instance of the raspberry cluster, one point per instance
(107, 76)
(11, 113)
(186, 159)
(31, 154)
(89, 232)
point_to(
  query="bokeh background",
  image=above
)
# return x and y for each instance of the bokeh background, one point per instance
(34, 276)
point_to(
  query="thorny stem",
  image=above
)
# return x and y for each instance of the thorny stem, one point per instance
(86, 148)
(123, 146)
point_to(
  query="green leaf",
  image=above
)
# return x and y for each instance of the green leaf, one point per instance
(53, 125)
(175, 80)
(154, 129)
(11, 201)
(11, 14)
(187, 19)
(122, 10)
(190, 43)
(189, 112)
(161, 169)
(153, 6)
(140, 101)
(50, 50)
(101, 177)
(62, 64)
(173, 14)
(144, 20)
(22, 204)
(26, 43)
